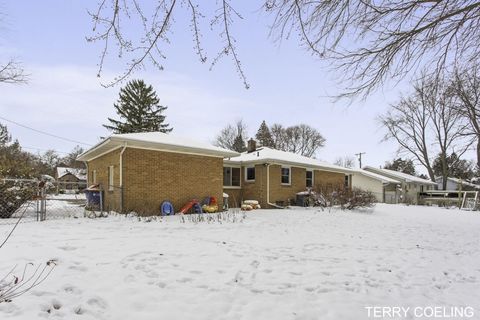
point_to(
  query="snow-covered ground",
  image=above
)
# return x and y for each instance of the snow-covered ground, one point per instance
(276, 264)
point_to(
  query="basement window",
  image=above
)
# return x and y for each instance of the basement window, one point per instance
(285, 175)
(250, 174)
(309, 178)
(231, 177)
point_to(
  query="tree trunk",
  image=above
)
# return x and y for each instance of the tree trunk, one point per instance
(478, 152)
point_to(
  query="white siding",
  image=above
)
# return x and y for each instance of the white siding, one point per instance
(369, 184)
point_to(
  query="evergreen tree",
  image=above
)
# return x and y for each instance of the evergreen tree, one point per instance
(239, 144)
(4, 135)
(457, 168)
(400, 165)
(263, 136)
(139, 110)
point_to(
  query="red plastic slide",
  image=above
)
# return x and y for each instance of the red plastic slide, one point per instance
(191, 204)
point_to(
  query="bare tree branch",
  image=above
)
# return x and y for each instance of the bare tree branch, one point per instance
(112, 16)
(370, 42)
(12, 72)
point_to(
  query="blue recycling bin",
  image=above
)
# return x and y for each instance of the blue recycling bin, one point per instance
(94, 198)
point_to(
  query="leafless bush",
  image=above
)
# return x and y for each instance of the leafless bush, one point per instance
(232, 216)
(350, 199)
(13, 286)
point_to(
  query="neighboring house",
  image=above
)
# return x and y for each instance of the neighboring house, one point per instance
(410, 186)
(274, 177)
(457, 184)
(71, 178)
(384, 188)
(137, 171)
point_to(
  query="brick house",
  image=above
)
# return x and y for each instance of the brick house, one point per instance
(137, 171)
(274, 177)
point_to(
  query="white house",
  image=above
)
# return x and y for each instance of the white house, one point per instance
(410, 186)
(383, 187)
(456, 184)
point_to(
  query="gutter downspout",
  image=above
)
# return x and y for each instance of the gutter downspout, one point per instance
(268, 189)
(121, 176)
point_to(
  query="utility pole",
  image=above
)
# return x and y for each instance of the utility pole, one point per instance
(359, 155)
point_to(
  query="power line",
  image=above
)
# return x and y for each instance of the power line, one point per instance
(45, 133)
(41, 149)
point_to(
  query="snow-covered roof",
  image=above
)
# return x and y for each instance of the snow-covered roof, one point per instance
(155, 141)
(80, 173)
(373, 175)
(265, 154)
(398, 175)
(458, 181)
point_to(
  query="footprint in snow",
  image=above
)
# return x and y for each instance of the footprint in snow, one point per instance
(67, 248)
(71, 289)
(78, 268)
(185, 280)
(97, 302)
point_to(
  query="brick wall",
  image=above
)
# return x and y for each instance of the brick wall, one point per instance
(325, 180)
(257, 190)
(112, 198)
(282, 193)
(153, 176)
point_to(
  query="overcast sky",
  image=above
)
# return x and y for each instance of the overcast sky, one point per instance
(288, 85)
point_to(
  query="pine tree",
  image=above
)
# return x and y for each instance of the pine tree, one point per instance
(139, 110)
(401, 165)
(239, 144)
(4, 135)
(264, 137)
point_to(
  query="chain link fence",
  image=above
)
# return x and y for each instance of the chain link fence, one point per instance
(33, 200)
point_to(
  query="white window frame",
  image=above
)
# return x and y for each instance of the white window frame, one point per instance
(111, 171)
(94, 176)
(231, 177)
(246, 176)
(289, 175)
(313, 177)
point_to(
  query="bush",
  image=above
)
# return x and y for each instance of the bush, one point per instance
(349, 199)
(12, 197)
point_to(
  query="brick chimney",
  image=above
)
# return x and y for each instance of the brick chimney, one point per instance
(252, 145)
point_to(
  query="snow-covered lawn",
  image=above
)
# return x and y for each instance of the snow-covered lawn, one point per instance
(276, 264)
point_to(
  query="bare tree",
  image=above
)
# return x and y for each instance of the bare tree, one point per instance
(407, 122)
(447, 124)
(301, 139)
(368, 41)
(466, 85)
(426, 123)
(227, 136)
(278, 136)
(346, 162)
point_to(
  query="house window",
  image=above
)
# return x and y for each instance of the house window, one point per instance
(250, 173)
(285, 175)
(347, 181)
(94, 176)
(110, 178)
(231, 177)
(309, 179)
